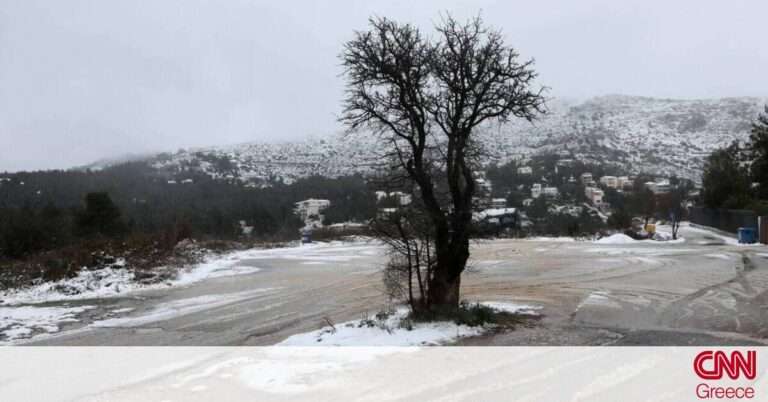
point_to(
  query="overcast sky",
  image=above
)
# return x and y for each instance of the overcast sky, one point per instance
(83, 80)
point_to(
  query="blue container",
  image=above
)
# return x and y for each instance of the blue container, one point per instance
(306, 236)
(747, 235)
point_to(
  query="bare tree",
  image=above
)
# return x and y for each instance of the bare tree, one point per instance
(425, 98)
(408, 233)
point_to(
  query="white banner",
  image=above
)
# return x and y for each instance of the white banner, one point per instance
(383, 374)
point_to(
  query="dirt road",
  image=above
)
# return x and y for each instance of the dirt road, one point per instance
(700, 291)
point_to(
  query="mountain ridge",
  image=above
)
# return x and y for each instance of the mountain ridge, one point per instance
(643, 134)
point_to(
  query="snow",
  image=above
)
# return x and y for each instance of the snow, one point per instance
(598, 299)
(513, 308)
(234, 270)
(636, 250)
(551, 239)
(334, 251)
(618, 238)
(296, 370)
(86, 285)
(111, 282)
(389, 332)
(177, 308)
(686, 227)
(719, 256)
(659, 238)
(21, 322)
(350, 333)
(21, 315)
(633, 126)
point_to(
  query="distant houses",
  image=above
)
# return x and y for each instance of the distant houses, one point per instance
(537, 190)
(594, 195)
(398, 197)
(658, 187)
(618, 183)
(497, 219)
(550, 192)
(610, 181)
(311, 211)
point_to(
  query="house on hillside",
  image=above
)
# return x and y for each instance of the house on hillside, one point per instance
(610, 181)
(535, 190)
(550, 192)
(658, 187)
(625, 182)
(497, 219)
(310, 211)
(524, 170)
(594, 195)
(398, 197)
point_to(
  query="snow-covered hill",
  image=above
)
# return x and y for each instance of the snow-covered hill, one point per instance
(659, 136)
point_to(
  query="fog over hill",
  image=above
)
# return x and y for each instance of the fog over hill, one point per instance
(658, 136)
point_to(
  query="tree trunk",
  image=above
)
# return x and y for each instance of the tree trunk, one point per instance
(445, 284)
(444, 292)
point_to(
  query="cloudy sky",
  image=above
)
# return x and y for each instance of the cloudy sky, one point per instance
(83, 80)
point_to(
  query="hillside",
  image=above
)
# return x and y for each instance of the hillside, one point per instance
(658, 136)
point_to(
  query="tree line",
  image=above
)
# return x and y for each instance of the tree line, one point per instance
(736, 177)
(45, 210)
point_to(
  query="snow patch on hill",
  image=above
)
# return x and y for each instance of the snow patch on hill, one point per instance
(656, 136)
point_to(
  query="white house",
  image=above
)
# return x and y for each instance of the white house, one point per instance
(498, 202)
(483, 185)
(550, 191)
(524, 170)
(245, 229)
(536, 190)
(625, 182)
(586, 178)
(660, 187)
(610, 181)
(311, 211)
(595, 195)
(400, 197)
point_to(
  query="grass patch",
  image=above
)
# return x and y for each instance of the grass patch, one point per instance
(474, 315)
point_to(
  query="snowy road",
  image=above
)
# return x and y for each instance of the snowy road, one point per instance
(703, 290)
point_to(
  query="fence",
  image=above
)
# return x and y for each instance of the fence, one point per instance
(728, 220)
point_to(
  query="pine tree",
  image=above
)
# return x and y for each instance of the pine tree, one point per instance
(759, 148)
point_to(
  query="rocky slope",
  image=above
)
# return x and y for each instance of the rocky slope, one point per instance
(659, 136)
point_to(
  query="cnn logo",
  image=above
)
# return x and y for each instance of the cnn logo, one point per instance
(710, 365)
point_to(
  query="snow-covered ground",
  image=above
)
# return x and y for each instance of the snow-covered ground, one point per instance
(392, 331)
(618, 238)
(24, 321)
(22, 315)
(180, 307)
(42, 310)
(546, 239)
(110, 282)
